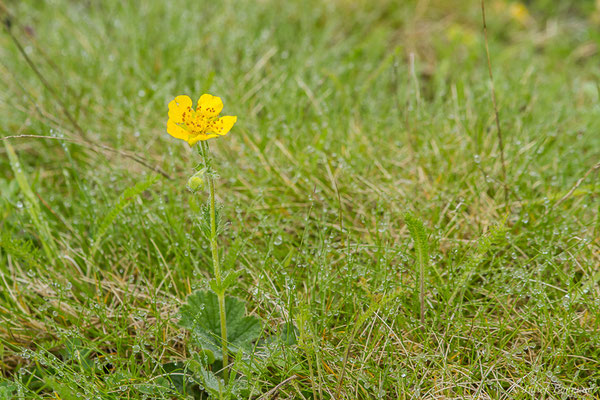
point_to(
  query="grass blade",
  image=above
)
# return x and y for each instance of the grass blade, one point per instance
(32, 205)
(419, 235)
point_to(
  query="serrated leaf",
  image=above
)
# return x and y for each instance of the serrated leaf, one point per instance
(210, 382)
(215, 386)
(229, 278)
(419, 236)
(200, 315)
(203, 220)
(215, 286)
(496, 235)
(22, 249)
(125, 199)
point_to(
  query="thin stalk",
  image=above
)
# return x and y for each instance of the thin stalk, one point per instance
(215, 256)
(419, 235)
(495, 104)
(422, 288)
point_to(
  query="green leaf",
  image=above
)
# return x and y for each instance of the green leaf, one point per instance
(125, 199)
(21, 249)
(180, 378)
(213, 385)
(203, 220)
(7, 390)
(210, 382)
(228, 280)
(496, 235)
(419, 236)
(201, 316)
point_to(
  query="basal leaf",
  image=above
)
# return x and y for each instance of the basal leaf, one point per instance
(200, 315)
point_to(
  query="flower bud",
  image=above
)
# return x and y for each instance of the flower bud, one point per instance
(195, 183)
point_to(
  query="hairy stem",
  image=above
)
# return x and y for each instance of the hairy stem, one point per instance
(215, 256)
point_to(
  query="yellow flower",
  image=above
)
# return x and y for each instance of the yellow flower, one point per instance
(519, 12)
(200, 124)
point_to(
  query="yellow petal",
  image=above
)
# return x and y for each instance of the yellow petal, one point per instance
(179, 108)
(194, 139)
(176, 131)
(209, 106)
(221, 125)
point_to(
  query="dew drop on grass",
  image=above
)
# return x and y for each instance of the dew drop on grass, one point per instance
(278, 240)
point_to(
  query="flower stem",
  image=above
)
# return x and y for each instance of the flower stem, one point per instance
(205, 151)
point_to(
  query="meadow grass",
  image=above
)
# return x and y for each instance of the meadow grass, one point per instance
(350, 115)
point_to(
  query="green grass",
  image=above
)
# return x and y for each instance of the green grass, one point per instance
(350, 114)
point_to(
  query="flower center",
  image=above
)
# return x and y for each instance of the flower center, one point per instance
(193, 122)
